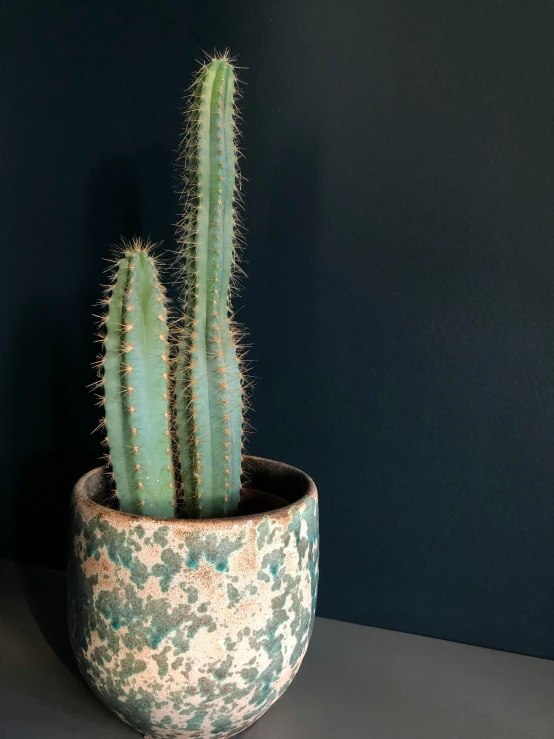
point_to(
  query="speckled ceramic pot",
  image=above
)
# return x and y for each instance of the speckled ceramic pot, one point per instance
(189, 629)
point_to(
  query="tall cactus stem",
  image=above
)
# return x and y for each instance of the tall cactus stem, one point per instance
(208, 384)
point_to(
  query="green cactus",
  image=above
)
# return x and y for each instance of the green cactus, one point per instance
(203, 392)
(135, 379)
(209, 403)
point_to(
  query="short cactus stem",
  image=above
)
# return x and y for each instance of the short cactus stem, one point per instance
(136, 387)
(208, 390)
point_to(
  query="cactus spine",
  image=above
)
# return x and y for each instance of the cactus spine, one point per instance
(135, 379)
(208, 380)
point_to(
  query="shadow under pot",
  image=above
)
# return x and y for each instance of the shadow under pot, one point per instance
(192, 628)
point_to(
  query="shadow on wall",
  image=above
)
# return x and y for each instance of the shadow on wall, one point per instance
(51, 390)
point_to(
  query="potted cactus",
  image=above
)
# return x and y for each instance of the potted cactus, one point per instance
(192, 568)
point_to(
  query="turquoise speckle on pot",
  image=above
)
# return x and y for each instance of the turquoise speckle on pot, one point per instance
(191, 629)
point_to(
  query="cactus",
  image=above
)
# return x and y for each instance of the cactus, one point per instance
(203, 392)
(208, 388)
(134, 375)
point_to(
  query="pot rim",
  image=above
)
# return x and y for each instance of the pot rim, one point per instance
(81, 495)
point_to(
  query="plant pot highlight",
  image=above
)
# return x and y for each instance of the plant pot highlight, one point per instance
(192, 628)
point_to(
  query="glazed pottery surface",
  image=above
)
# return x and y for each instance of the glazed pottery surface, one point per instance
(189, 629)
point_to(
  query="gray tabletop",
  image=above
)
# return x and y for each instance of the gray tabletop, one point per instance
(356, 682)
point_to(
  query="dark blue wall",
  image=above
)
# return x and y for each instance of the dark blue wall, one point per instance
(400, 301)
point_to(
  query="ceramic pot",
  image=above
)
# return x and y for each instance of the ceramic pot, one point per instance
(189, 629)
